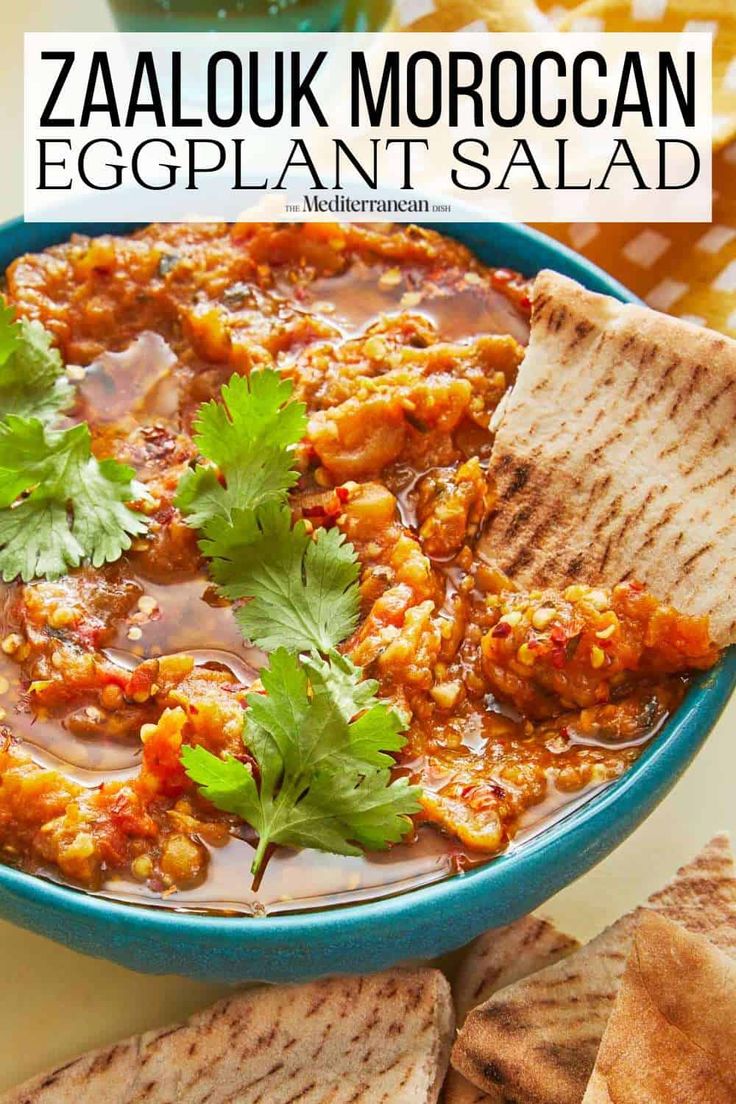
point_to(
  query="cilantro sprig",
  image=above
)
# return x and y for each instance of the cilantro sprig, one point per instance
(249, 439)
(32, 379)
(320, 740)
(59, 505)
(302, 589)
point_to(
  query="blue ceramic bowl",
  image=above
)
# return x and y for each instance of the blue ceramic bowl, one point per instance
(421, 923)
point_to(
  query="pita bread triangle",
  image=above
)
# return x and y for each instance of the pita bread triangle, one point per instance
(614, 455)
(536, 1041)
(496, 959)
(672, 1033)
(381, 1039)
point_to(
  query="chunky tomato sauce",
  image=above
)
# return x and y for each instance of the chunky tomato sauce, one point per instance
(402, 346)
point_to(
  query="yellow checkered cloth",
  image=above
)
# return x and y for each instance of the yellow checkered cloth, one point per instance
(687, 269)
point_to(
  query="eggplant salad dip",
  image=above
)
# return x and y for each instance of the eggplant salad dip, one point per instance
(317, 585)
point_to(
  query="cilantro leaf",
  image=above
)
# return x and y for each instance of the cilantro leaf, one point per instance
(323, 772)
(227, 783)
(303, 589)
(32, 379)
(9, 334)
(73, 505)
(250, 438)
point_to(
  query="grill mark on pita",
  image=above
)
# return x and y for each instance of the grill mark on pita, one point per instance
(488, 980)
(641, 509)
(518, 481)
(541, 385)
(491, 1072)
(318, 1003)
(580, 331)
(52, 1078)
(544, 526)
(556, 318)
(167, 1032)
(104, 1060)
(665, 518)
(320, 1045)
(518, 520)
(677, 401)
(636, 377)
(714, 479)
(567, 978)
(714, 399)
(673, 364)
(649, 353)
(505, 1018)
(519, 561)
(533, 933)
(568, 1058)
(615, 435)
(600, 416)
(275, 1068)
(692, 381)
(539, 303)
(264, 1040)
(301, 1093)
(606, 553)
(696, 555)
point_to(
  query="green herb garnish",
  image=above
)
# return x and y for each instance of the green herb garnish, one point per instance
(32, 379)
(59, 505)
(319, 738)
(302, 589)
(250, 438)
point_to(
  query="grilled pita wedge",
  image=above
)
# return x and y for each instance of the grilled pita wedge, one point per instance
(536, 1041)
(671, 1038)
(614, 455)
(383, 1039)
(495, 960)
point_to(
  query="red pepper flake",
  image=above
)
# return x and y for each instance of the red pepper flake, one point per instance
(525, 302)
(502, 629)
(165, 515)
(558, 635)
(343, 494)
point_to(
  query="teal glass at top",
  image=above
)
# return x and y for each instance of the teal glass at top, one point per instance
(421, 923)
(250, 15)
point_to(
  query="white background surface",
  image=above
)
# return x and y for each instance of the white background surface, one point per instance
(54, 1003)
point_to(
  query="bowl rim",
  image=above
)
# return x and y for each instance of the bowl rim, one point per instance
(573, 834)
